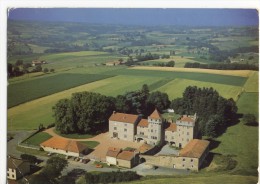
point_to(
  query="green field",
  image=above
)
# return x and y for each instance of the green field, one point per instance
(241, 140)
(176, 87)
(205, 77)
(37, 139)
(200, 179)
(251, 84)
(29, 90)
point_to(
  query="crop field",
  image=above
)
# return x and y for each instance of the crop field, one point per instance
(37, 139)
(176, 87)
(252, 82)
(29, 90)
(239, 73)
(205, 77)
(29, 115)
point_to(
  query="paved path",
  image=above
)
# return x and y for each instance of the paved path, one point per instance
(105, 141)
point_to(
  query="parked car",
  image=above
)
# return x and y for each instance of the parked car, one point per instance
(99, 166)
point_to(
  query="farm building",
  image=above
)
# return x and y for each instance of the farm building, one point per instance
(190, 157)
(65, 147)
(17, 168)
(113, 63)
(122, 158)
(37, 62)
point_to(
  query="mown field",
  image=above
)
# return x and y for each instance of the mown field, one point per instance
(176, 87)
(29, 90)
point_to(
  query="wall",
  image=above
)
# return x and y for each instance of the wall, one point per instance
(125, 131)
(111, 160)
(172, 162)
(154, 131)
(124, 163)
(12, 174)
(48, 149)
(171, 136)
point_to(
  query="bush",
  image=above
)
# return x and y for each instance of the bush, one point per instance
(250, 119)
(30, 158)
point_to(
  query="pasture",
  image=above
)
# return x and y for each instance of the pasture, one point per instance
(241, 140)
(176, 87)
(29, 90)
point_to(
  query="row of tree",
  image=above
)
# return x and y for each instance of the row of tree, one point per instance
(168, 64)
(215, 113)
(111, 177)
(222, 66)
(88, 112)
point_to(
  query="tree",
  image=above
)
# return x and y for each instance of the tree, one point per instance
(54, 166)
(52, 70)
(214, 126)
(38, 68)
(64, 121)
(45, 70)
(171, 63)
(249, 119)
(157, 100)
(30, 158)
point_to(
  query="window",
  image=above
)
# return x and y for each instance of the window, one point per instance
(125, 136)
(12, 175)
(183, 165)
(125, 130)
(191, 160)
(125, 124)
(152, 130)
(188, 133)
(183, 159)
(8, 174)
(115, 128)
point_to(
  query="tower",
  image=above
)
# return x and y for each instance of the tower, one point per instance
(154, 128)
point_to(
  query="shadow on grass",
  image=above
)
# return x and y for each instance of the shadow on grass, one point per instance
(213, 143)
(208, 160)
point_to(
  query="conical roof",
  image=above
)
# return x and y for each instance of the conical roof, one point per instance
(155, 115)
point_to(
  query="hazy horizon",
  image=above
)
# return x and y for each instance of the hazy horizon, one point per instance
(145, 17)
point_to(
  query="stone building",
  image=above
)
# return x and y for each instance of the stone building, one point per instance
(152, 130)
(17, 168)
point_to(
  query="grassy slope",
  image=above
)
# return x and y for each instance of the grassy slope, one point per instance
(251, 84)
(176, 87)
(211, 179)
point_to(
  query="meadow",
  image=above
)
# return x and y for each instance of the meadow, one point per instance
(176, 87)
(32, 89)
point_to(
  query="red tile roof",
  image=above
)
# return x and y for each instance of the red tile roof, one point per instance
(143, 123)
(113, 152)
(144, 148)
(171, 127)
(194, 149)
(64, 144)
(186, 118)
(126, 155)
(155, 115)
(122, 117)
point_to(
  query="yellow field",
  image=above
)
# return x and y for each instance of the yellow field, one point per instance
(240, 73)
(251, 84)
(176, 87)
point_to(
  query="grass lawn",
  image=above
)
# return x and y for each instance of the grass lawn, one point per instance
(38, 138)
(198, 179)
(74, 136)
(176, 87)
(248, 103)
(90, 144)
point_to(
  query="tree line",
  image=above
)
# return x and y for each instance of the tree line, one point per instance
(88, 112)
(214, 112)
(222, 66)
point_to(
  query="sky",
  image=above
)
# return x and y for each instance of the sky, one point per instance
(141, 16)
